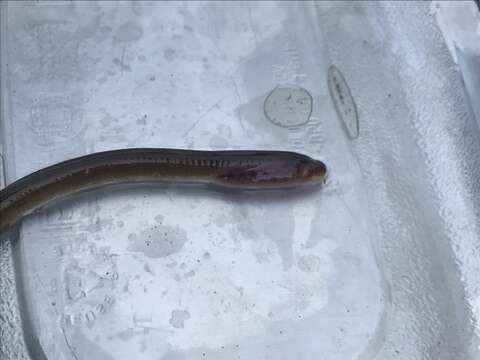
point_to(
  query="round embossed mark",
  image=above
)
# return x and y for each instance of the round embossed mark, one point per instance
(288, 106)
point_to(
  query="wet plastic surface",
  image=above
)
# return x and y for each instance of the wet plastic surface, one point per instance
(382, 263)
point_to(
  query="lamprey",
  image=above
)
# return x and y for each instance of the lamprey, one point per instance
(248, 170)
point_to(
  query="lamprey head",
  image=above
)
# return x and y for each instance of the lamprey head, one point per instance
(311, 171)
(281, 170)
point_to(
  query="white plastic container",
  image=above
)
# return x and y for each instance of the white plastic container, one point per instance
(382, 263)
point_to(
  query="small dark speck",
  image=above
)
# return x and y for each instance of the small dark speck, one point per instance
(152, 78)
(54, 303)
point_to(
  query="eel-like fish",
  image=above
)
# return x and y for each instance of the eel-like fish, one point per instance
(249, 170)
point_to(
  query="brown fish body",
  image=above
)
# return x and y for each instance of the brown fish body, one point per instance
(249, 170)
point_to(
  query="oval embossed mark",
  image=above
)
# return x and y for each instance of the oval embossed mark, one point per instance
(343, 101)
(288, 106)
